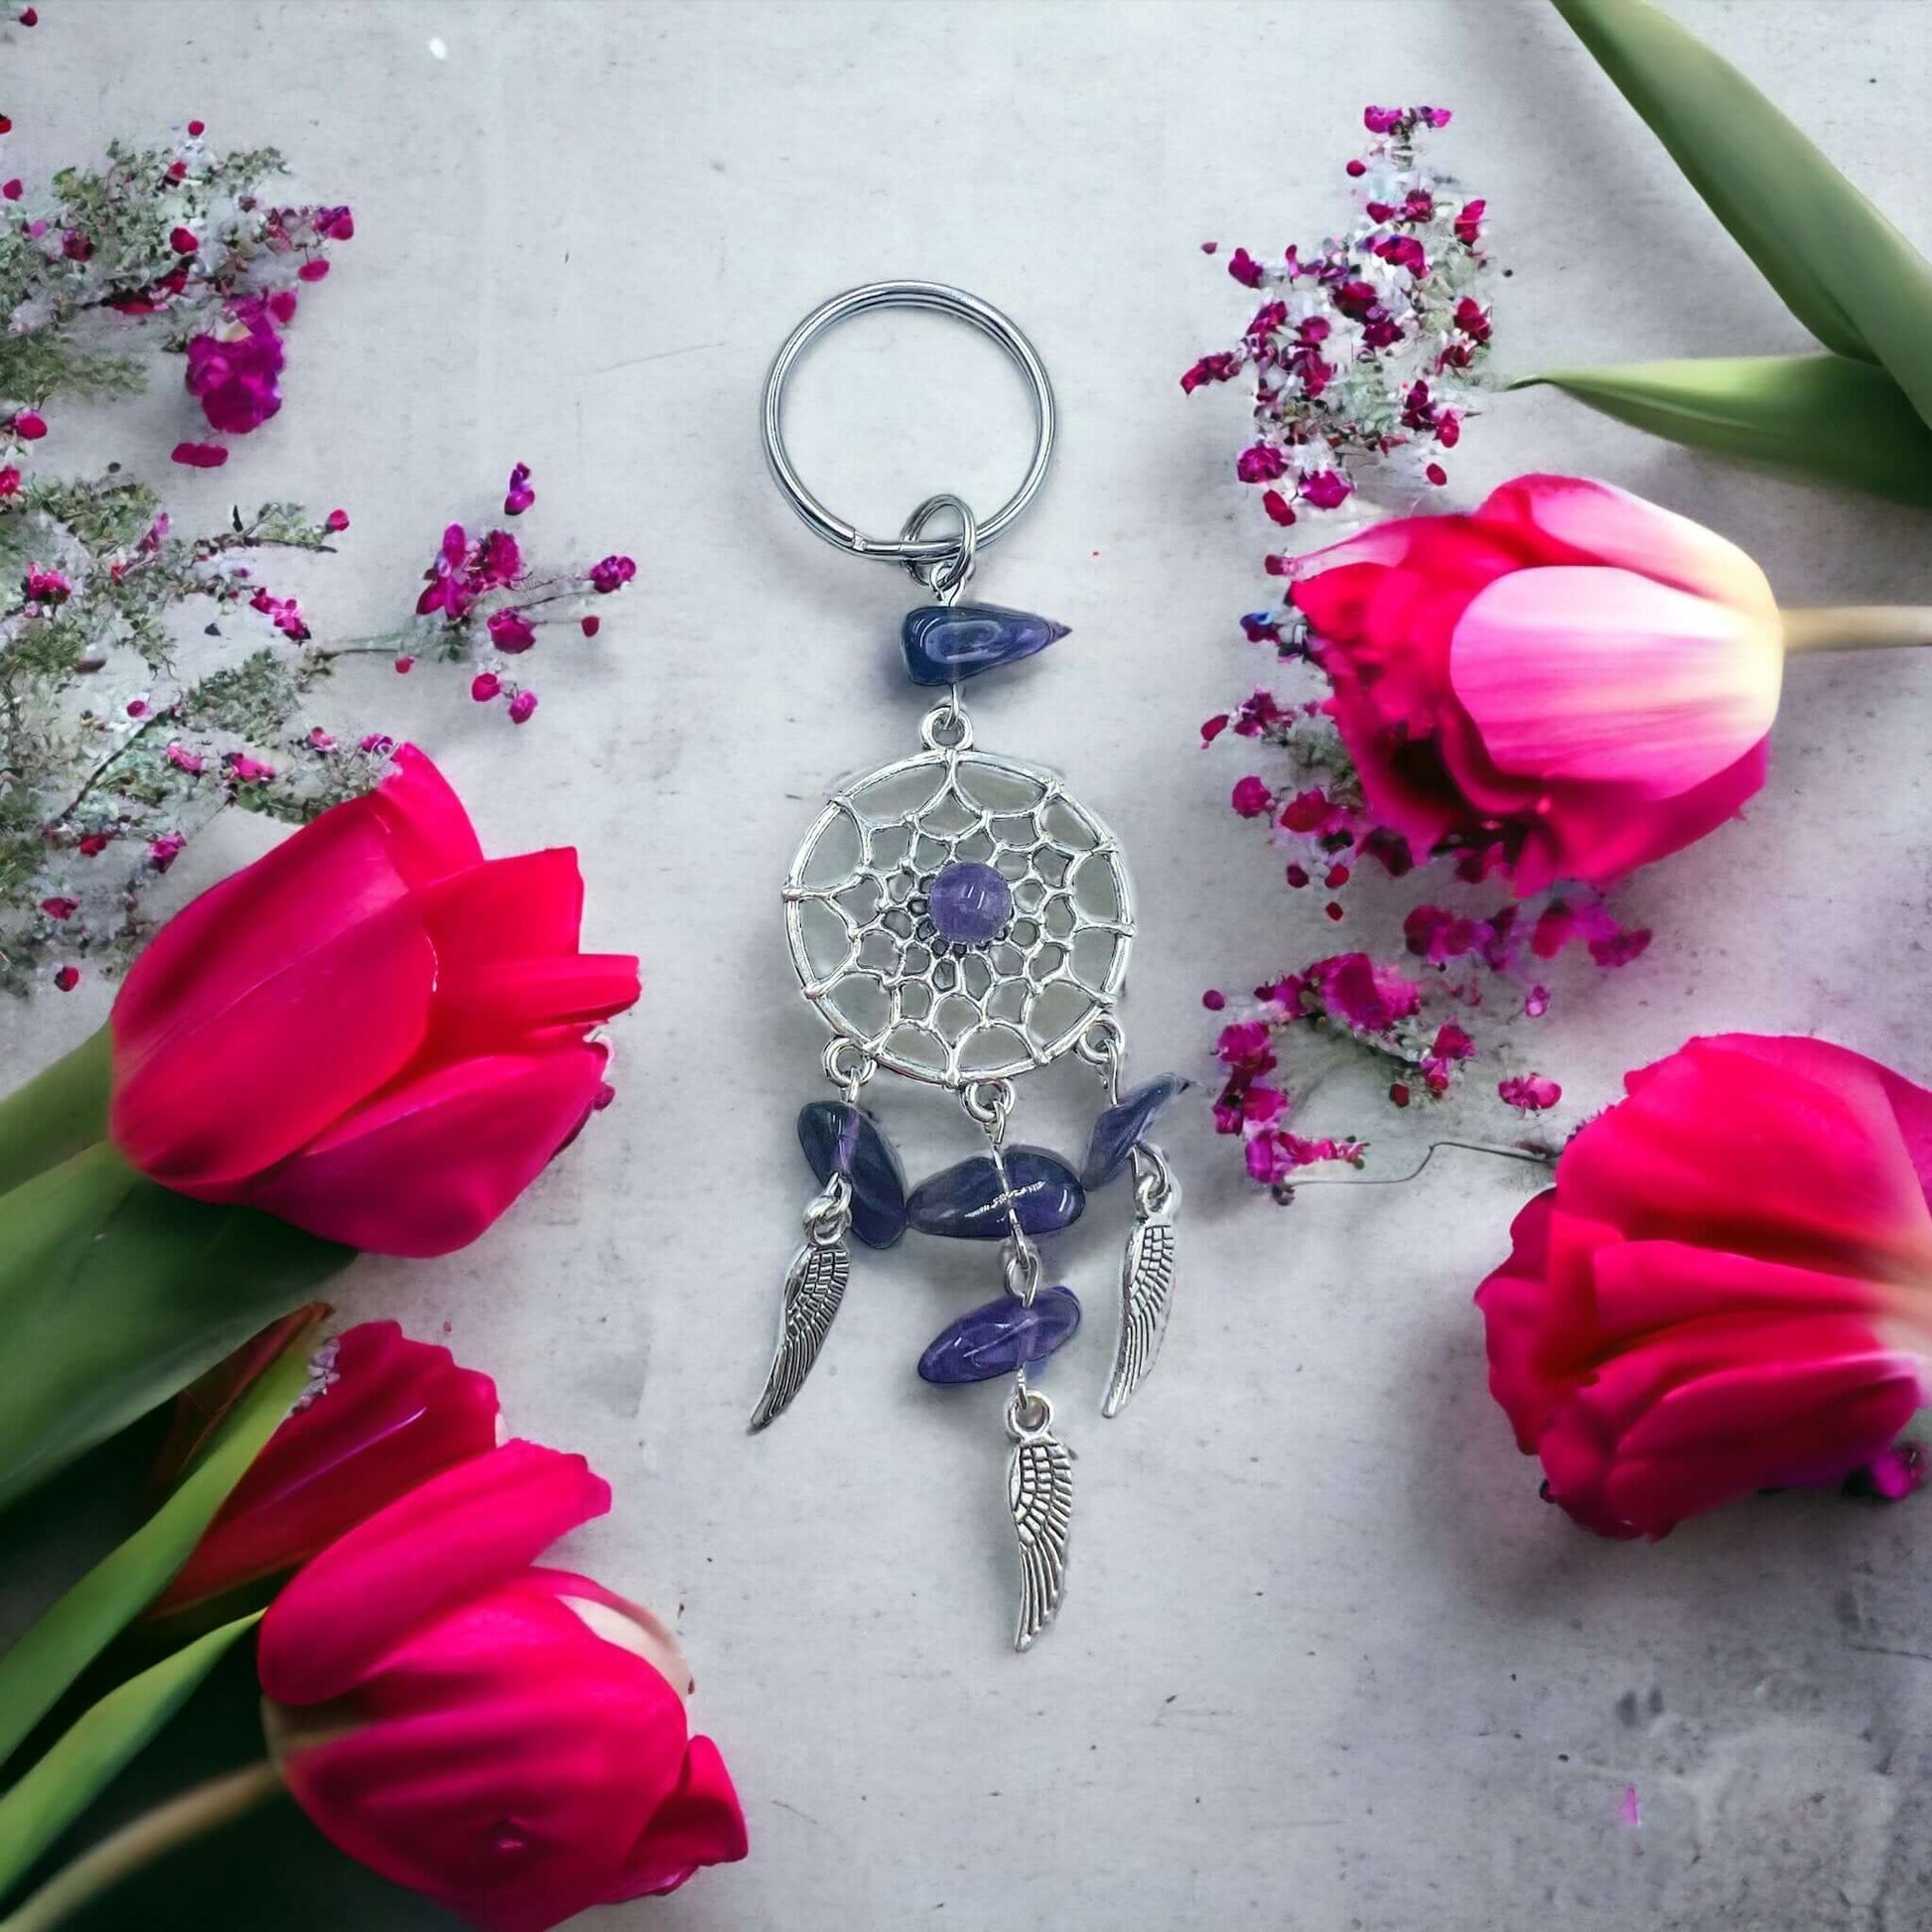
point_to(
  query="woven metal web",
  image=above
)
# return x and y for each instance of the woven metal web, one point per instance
(869, 961)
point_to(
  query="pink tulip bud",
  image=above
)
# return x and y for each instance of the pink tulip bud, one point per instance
(444, 1057)
(1728, 1290)
(1592, 676)
(510, 1740)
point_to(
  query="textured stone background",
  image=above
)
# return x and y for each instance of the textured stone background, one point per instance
(1327, 1663)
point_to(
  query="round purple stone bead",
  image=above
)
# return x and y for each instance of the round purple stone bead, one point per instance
(969, 904)
(1001, 1338)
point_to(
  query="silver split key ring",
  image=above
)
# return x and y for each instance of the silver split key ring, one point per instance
(909, 548)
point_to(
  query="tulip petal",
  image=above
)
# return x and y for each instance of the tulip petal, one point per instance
(429, 830)
(702, 1823)
(1600, 676)
(276, 1000)
(516, 1810)
(296, 1010)
(523, 907)
(1719, 1408)
(631, 1626)
(453, 1536)
(493, 1005)
(1596, 834)
(1813, 1169)
(1575, 520)
(394, 1413)
(426, 1166)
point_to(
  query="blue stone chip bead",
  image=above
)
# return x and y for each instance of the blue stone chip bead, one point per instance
(947, 642)
(1001, 1337)
(1120, 1129)
(840, 1138)
(965, 1201)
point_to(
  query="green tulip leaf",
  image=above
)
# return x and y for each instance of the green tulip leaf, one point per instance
(1821, 416)
(57, 1113)
(1836, 262)
(41, 1665)
(115, 1292)
(100, 1742)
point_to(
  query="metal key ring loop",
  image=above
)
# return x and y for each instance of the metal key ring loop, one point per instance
(940, 300)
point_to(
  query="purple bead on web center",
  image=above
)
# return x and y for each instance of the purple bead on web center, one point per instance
(969, 904)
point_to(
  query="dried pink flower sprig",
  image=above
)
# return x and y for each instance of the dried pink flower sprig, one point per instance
(1416, 1020)
(182, 237)
(1367, 357)
(1370, 343)
(482, 603)
(120, 748)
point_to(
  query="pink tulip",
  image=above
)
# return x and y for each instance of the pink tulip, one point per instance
(1570, 673)
(1728, 1288)
(510, 1740)
(371, 1032)
(391, 1414)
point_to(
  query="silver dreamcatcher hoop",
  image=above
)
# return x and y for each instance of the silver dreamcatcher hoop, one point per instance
(916, 999)
(959, 918)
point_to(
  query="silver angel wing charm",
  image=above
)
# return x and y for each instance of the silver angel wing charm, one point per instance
(1039, 1490)
(815, 1287)
(1145, 1277)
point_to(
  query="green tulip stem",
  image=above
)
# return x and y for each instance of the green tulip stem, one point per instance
(1858, 627)
(206, 1808)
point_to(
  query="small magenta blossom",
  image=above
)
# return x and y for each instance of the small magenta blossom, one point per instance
(512, 631)
(234, 374)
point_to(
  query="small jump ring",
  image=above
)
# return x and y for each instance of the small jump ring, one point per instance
(987, 1103)
(1028, 1413)
(941, 300)
(945, 579)
(946, 728)
(847, 1065)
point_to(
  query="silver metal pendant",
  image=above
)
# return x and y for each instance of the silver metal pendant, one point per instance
(815, 1287)
(1040, 1492)
(1146, 1275)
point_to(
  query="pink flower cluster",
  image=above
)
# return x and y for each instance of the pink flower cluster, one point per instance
(483, 583)
(1369, 343)
(466, 570)
(183, 233)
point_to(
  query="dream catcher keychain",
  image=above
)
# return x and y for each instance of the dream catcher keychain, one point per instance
(959, 920)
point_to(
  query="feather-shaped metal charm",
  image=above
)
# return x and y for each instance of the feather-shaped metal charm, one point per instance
(1146, 1275)
(815, 1287)
(1039, 1490)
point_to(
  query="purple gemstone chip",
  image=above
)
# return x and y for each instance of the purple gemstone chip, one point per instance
(1001, 1338)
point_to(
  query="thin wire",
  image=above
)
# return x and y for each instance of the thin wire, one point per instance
(1434, 1148)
